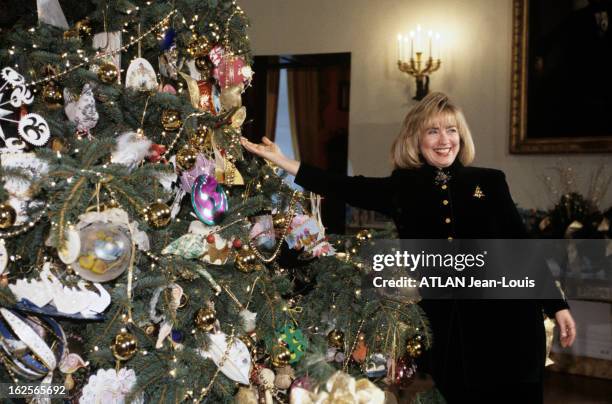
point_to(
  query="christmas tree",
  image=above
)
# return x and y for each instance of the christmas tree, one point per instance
(144, 254)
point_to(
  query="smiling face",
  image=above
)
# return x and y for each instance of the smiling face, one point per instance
(440, 141)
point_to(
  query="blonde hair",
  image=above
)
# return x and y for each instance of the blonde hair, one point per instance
(405, 152)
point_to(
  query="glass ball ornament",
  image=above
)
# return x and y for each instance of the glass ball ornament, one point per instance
(105, 252)
(157, 214)
(208, 199)
(52, 94)
(335, 338)
(186, 158)
(171, 120)
(8, 216)
(205, 319)
(108, 73)
(125, 346)
(280, 356)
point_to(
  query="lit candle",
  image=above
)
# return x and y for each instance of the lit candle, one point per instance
(399, 47)
(411, 44)
(430, 35)
(418, 39)
(438, 47)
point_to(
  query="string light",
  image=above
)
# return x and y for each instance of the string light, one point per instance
(100, 55)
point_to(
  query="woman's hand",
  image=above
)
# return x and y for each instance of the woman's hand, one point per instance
(567, 327)
(271, 152)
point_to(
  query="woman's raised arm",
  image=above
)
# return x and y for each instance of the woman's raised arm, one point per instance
(358, 191)
(271, 152)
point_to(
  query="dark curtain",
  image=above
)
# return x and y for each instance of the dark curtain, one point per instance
(304, 114)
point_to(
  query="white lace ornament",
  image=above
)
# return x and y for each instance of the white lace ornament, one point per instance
(110, 387)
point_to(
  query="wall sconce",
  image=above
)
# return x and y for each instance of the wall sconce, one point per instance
(411, 59)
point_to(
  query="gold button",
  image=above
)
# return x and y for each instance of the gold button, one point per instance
(447, 220)
(449, 238)
(444, 186)
(445, 202)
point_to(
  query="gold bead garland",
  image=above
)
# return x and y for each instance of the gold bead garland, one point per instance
(206, 390)
(350, 353)
(25, 227)
(288, 220)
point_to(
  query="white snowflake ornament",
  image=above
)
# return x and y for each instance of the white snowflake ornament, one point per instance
(30, 128)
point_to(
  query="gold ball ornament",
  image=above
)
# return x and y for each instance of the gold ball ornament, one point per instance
(280, 356)
(52, 94)
(335, 338)
(279, 220)
(202, 139)
(7, 216)
(186, 158)
(414, 347)
(249, 343)
(83, 27)
(363, 235)
(124, 346)
(171, 120)
(246, 261)
(205, 319)
(81, 30)
(198, 47)
(108, 73)
(157, 214)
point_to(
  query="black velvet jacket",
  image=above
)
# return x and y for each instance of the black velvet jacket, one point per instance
(475, 342)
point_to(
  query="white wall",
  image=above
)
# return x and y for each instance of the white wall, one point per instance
(476, 35)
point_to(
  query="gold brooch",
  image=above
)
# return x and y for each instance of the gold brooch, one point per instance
(478, 192)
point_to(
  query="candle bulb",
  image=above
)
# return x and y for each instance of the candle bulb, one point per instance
(399, 47)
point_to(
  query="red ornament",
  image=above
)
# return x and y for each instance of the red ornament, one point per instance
(232, 71)
(237, 244)
(210, 238)
(405, 371)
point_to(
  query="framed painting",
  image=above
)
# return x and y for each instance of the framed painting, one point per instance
(561, 76)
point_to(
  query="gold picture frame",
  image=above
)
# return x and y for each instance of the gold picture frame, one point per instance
(521, 141)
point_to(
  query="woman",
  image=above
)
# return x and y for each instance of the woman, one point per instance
(483, 351)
